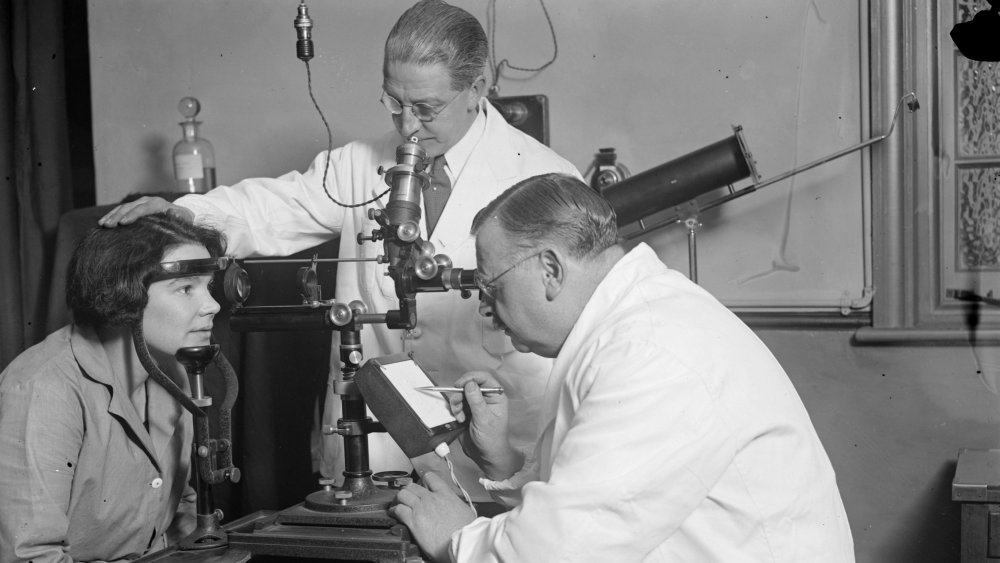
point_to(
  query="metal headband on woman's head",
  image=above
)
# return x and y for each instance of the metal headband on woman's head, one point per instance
(185, 268)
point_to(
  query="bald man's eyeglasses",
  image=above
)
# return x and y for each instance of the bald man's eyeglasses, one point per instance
(423, 112)
(488, 288)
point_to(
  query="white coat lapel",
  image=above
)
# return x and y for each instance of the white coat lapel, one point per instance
(473, 191)
(488, 172)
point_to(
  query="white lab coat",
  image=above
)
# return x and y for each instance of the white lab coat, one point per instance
(670, 434)
(278, 217)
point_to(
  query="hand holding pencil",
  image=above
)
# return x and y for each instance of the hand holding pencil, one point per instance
(483, 390)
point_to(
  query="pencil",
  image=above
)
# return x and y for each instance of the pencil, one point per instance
(483, 390)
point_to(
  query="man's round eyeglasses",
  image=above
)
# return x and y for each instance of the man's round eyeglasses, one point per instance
(422, 111)
(488, 288)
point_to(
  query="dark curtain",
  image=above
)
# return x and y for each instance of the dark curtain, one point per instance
(40, 89)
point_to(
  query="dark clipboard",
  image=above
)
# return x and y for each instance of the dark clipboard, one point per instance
(417, 420)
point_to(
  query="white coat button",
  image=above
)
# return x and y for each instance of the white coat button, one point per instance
(416, 333)
(157, 483)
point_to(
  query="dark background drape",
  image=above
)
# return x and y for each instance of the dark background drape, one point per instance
(46, 157)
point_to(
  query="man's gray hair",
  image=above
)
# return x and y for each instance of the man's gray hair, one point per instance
(435, 32)
(553, 209)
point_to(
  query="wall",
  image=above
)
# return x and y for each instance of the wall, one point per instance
(892, 420)
(656, 80)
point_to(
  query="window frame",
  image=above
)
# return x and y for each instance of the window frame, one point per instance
(911, 51)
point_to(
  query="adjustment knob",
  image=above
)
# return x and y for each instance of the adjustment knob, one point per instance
(339, 314)
(425, 267)
(342, 496)
(427, 249)
(442, 260)
(358, 306)
(408, 231)
(375, 236)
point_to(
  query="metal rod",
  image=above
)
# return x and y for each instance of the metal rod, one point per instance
(749, 189)
(306, 260)
(692, 255)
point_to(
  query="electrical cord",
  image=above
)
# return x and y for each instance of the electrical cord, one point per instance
(443, 451)
(491, 17)
(329, 148)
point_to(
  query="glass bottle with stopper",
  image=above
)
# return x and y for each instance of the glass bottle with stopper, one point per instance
(194, 159)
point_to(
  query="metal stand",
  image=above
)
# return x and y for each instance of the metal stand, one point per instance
(351, 522)
(691, 219)
(211, 459)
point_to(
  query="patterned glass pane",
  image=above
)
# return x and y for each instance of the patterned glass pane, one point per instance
(968, 8)
(978, 108)
(978, 200)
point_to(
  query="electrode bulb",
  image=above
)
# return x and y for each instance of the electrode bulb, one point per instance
(189, 107)
(303, 30)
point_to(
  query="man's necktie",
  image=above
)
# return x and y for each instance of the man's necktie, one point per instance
(436, 194)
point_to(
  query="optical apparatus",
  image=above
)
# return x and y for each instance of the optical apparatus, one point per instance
(678, 183)
(211, 457)
(351, 521)
(347, 522)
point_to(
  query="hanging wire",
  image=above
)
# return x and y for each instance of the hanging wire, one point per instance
(329, 148)
(497, 68)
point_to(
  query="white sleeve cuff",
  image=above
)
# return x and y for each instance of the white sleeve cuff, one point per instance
(508, 491)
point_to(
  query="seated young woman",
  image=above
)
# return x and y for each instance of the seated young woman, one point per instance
(96, 457)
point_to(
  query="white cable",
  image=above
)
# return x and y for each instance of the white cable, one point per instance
(442, 450)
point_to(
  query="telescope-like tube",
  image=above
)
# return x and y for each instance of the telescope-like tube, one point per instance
(407, 180)
(680, 180)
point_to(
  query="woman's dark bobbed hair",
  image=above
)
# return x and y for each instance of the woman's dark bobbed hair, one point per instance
(108, 276)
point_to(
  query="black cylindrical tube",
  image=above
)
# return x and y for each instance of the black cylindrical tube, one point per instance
(459, 278)
(678, 181)
(205, 502)
(353, 406)
(356, 446)
(446, 279)
(252, 319)
(404, 199)
(407, 184)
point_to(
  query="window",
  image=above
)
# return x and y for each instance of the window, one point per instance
(936, 187)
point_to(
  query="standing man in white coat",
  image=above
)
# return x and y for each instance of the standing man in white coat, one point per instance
(669, 431)
(433, 88)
